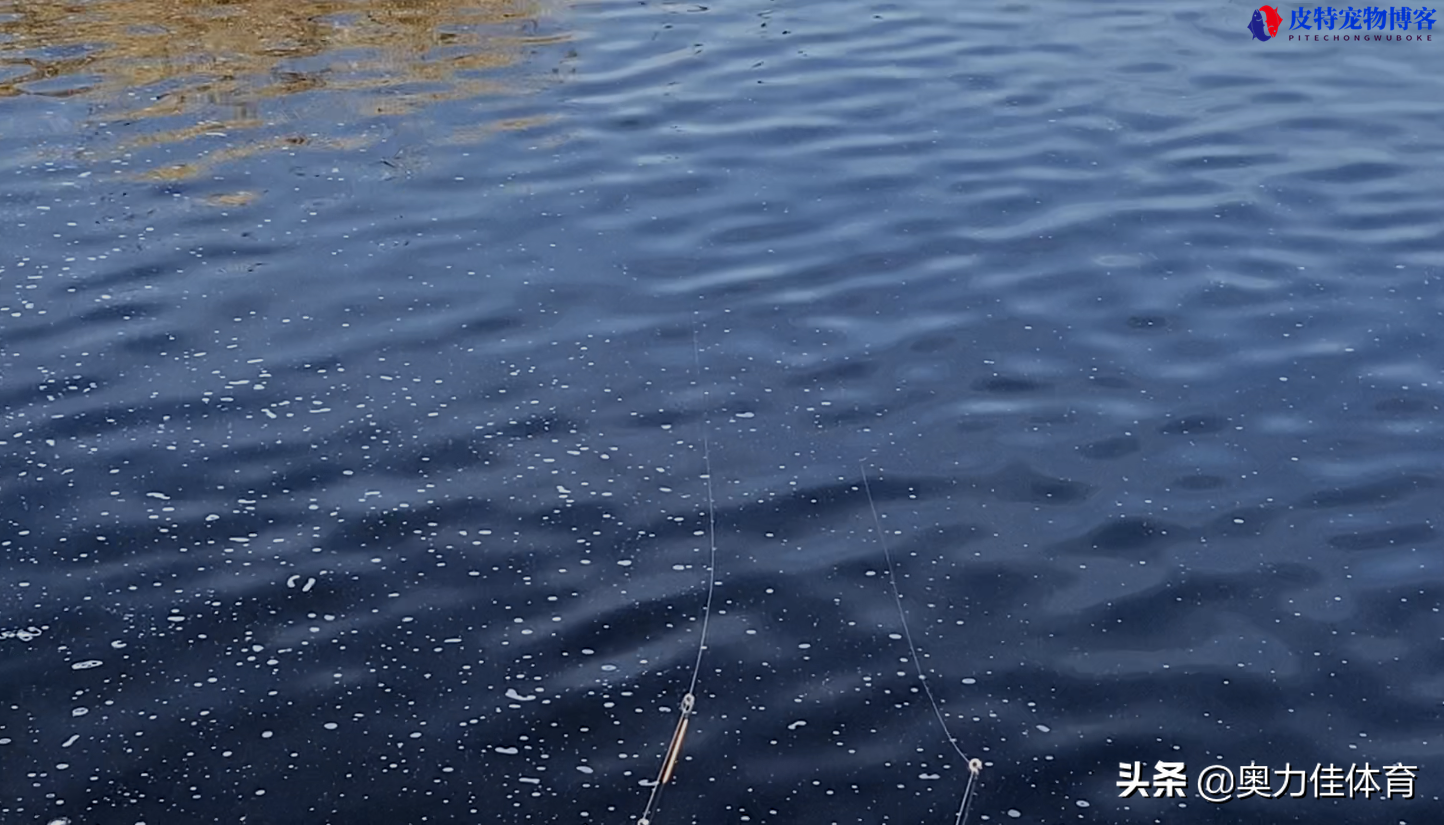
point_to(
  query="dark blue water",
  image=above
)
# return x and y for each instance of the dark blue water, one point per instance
(356, 362)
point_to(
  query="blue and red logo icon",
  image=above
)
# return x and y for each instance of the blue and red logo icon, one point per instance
(1265, 22)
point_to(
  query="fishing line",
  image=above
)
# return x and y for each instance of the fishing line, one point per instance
(689, 701)
(975, 766)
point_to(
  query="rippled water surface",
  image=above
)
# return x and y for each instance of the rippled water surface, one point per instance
(362, 364)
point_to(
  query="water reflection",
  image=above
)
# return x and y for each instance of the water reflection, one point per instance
(172, 71)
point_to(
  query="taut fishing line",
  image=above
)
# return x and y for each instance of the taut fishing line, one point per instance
(688, 705)
(689, 700)
(975, 765)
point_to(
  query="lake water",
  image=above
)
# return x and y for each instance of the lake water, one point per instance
(362, 365)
